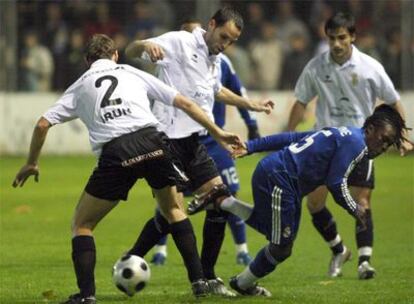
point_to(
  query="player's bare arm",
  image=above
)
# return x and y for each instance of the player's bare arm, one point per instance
(136, 48)
(406, 145)
(31, 167)
(226, 139)
(228, 97)
(296, 115)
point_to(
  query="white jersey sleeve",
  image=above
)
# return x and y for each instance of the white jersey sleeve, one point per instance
(170, 43)
(156, 89)
(305, 89)
(65, 108)
(386, 90)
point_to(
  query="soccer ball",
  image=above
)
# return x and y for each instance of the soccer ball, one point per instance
(131, 274)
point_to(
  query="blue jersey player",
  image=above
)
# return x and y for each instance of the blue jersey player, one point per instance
(301, 163)
(225, 165)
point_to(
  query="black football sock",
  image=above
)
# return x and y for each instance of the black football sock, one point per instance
(153, 231)
(84, 259)
(365, 237)
(185, 240)
(213, 235)
(326, 225)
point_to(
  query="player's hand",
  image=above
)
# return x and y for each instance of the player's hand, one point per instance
(239, 151)
(360, 215)
(229, 141)
(263, 106)
(406, 146)
(253, 132)
(154, 51)
(25, 172)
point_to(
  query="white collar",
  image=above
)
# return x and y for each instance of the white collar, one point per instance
(103, 62)
(199, 33)
(352, 61)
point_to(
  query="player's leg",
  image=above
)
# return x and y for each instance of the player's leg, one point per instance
(213, 236)
(89, 211)
(171, 207)
(276, 214)
(324, 222)
(362, 182)
(364, 233)
(226, 166)
(238, 230)
(160, 250)
(263, 264)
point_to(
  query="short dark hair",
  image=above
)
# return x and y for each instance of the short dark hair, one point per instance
(339, 20)
(99, 46)
(187, 21)
(385, 114)
(226, 14)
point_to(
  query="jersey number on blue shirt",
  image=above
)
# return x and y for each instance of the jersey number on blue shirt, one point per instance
(302, 145)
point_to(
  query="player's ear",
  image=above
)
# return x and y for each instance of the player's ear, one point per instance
(88, 64)
(115, 56)
(212, 24)
(353, 37)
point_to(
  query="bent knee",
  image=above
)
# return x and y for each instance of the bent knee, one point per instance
(315, 205)
(78, 228)
(280, 252)
(174, 214)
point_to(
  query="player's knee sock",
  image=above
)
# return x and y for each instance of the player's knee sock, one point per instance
(365, 237)
(237, 207)
(185, 240)
(213, 235)
(263, 264)
(326, 225)
(238, 229)
(153, 231)
(162, 241)
(84, 259)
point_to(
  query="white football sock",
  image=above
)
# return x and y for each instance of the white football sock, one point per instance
(161, 249)
(237, 207)
(365, 251)
(241, 248)
(246, 279)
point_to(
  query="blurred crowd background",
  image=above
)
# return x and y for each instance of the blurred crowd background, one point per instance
(42, 41)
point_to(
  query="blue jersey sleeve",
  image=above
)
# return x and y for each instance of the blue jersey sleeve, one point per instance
(231, 81)
(274, 142)
(350, 150)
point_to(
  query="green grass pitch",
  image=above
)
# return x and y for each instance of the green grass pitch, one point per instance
(35, 263)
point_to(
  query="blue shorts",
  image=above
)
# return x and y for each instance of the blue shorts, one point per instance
(225, 164)
(277, 205)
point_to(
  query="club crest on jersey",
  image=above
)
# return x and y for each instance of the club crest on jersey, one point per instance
(287, 232)
(354, 77)
(194, 58)
(327, 78)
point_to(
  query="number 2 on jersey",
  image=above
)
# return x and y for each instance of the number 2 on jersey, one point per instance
(106, 100)
(299, 147)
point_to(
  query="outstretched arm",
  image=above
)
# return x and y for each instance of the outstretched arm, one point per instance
(226, 139)
(406, 146)
(228, 97)
(31, 167)
(270, 143)
(138, 47)
(296, 115)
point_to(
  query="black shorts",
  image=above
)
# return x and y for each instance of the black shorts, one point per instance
(198, 166)
(145, 154)
(363, 174)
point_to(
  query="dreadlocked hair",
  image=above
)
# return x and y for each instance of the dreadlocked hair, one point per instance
(385, 114)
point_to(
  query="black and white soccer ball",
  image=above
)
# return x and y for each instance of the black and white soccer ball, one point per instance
(131, 274)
